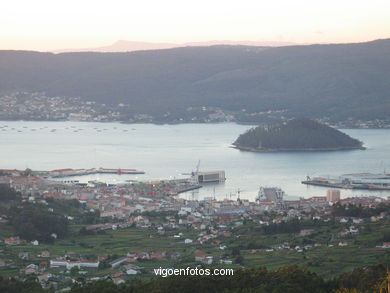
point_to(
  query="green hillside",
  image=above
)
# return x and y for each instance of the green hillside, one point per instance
(337, 81)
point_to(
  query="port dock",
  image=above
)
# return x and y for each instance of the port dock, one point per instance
(362, 181)
(81, 172)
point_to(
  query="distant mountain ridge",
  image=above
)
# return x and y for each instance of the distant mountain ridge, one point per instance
(336, 81)
(131, 46)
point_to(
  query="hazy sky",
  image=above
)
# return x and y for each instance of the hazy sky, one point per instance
(58, 24)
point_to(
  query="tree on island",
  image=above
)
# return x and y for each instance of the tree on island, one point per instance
(296, 134)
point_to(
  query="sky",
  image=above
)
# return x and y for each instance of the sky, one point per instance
(46, 25)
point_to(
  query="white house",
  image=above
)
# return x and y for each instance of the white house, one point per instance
(187, 241)
(131, 272)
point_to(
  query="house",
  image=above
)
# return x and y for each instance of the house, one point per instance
(72, 255)
(199, 257)
(141, 221)
(186, 209)
(102, 257)
(343, 233)
(353, 230)
(357, 220)
(12, 241)
(226, 261)
(118, 281)
(227, 234)
(305, 232)
(175, 255)
(131, 269)
(143, 255)
(187, 241)
(160, 230)
(131, 272)
(157, 255)
(117, 262)
(208, 260)
(182, 213)
(45, 253)
(31, 269)
(117, 274)
(386, 245)
(374, 219)
(23, 255)
(44, 278)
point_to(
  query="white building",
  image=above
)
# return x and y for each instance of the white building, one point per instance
(56, 263)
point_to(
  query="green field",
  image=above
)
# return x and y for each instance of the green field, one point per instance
(324, 260)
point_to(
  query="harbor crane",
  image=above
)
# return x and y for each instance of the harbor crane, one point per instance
(194, 174)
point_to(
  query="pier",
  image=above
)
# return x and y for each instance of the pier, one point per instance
(80, 172)
(364, 181)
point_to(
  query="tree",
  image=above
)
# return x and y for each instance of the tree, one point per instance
(296, 134)
(27, 172)
(8, 193)
(74, 271)
(345, 290)
(239, 260)
(235, 251)
(32, 223)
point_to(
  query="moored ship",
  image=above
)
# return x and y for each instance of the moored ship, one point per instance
(365, 181)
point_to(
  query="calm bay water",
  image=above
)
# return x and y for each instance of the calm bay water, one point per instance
(167, 151)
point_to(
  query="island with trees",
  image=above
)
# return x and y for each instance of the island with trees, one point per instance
(299, 134)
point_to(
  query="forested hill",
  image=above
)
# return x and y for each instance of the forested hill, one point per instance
(340, 81)
(296, 134)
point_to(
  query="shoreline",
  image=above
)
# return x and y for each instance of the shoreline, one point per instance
(255, 150)
(169, 123)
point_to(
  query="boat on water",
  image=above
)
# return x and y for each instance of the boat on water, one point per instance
(364, 181)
